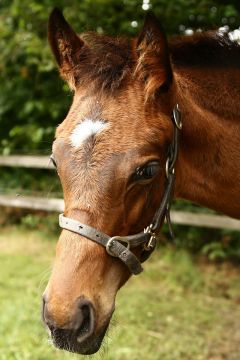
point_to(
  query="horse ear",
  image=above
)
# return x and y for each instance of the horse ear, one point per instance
(153, 62)
(66, 46)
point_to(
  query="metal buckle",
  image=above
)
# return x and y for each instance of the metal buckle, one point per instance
(111, 242)
(152, 241)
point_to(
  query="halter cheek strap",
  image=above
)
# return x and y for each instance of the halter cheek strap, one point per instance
(119, 246)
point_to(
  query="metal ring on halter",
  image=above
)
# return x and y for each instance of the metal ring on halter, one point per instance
(168, 168)
(177, 117)
(111, 243)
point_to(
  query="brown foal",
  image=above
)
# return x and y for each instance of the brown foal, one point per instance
(111, 150)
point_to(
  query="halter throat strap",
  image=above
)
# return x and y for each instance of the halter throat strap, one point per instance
(119, 246)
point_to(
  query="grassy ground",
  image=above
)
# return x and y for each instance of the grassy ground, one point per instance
(176, 310)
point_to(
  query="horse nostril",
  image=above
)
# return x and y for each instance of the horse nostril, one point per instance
(86, 316)
(46, 316)
(79, 329)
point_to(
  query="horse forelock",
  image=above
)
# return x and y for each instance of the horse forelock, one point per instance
(105, 62)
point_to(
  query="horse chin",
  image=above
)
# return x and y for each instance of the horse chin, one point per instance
(64, 340)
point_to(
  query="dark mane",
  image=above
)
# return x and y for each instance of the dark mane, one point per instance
(108, 62)
(205, 49)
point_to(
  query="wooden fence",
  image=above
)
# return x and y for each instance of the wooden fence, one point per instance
(39, 162)
(51, 204)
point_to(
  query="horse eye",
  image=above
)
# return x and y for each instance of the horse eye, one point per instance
(53, 161)
(146, 172)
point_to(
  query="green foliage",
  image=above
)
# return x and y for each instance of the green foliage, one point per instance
(33, 99)
(215, 244)
(227, 248)
(30, 181)
(39, 221)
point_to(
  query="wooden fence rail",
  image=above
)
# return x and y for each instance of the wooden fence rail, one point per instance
(40, 162)
(178, 217)
(31, 202)
(51, 204)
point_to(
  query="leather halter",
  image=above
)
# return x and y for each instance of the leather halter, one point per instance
(120, 246)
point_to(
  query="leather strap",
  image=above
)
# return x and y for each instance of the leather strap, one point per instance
(114, 245)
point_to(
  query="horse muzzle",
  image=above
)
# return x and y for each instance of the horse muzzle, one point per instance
(79, 334)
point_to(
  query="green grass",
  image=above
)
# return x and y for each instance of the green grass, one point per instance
(177, 309)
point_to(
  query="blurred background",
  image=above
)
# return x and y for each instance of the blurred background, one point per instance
(186, 304)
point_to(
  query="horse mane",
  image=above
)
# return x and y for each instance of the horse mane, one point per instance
(109, 62)
(105, 61)
(212, 49)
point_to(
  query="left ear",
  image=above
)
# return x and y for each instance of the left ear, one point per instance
(66, 46)
(153, 62)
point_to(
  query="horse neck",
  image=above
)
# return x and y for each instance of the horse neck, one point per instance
(208, 170)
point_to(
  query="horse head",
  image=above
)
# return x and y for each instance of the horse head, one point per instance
(110, 153)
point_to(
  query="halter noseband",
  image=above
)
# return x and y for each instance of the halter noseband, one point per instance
(120, 246)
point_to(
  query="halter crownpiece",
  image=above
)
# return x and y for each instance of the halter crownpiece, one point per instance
(120, 246)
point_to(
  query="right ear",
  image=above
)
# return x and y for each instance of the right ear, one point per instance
(66, 46)
(153, 61)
